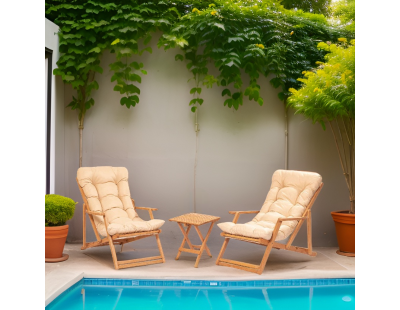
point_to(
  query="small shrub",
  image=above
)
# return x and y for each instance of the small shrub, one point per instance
(58, 209)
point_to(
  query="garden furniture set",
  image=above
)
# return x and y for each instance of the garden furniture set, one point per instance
(112, 213)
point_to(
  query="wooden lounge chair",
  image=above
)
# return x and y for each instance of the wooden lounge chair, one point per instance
(112, 212)
(287, 206)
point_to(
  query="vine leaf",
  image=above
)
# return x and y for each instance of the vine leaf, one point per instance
(178, 57)
(95, 50)
(236, 95)
(235, 39)
(126, 50)
(90, 60)
(124, 30)
(135, 78)
(135, 65)
(226, 91)
(220, 26)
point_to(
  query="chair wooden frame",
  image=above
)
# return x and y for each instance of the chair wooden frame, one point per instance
(269, 243)
(120, 239)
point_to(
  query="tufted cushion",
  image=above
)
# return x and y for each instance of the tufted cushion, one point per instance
(290, 193)
(107, 190)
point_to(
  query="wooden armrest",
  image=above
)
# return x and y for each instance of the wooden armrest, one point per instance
(95, 213)
(148, 209)
(291, 219)
(145, 208)
(238, 213)
(243, 212)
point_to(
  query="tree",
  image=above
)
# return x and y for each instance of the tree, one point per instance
(328, 95)
(312, 6)
(344, 13)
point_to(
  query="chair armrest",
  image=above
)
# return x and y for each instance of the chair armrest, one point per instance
(95, 213)
(291, 219)
(145, 208)
(238, 213)
(243, 212)
(148, 209)
(279, 223)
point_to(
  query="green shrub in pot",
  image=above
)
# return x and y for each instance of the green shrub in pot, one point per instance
(58, 210)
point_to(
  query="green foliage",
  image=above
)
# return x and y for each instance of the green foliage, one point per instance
(312, 6)
(328, 92)
(344, 13)
(238, 37)
(87, 28)
(257, 38)
(58, 209)
(328, 95)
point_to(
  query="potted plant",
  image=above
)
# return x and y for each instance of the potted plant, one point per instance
(328, 96)
(58, 210)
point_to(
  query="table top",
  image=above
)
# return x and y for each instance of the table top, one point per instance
(195, 219)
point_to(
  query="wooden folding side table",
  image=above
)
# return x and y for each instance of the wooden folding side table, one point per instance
(196, 220)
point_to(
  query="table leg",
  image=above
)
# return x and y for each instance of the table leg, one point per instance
(202, 240)
(203, 246)
(185, 239)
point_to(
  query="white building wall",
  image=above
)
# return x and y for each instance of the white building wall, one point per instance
(57, 114)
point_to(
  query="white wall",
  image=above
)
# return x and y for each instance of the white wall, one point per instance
(57, 114)
(238, 151)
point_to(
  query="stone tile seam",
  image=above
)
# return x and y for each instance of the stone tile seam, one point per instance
(334, 260)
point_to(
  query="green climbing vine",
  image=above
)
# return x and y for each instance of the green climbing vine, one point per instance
(237, 37)
(259, 38)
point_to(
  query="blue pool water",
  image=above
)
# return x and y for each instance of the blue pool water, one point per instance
(118, 294)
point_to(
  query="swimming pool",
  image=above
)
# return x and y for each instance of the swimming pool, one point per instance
(118, 294)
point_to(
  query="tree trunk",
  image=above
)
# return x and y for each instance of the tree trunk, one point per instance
(80, 146)
(286, 137)
(80, 139)
(344, 135)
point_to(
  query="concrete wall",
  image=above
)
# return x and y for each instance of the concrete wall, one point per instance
(238, 151)
(57, 115)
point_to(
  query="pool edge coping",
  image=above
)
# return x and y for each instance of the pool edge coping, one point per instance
(62, 288)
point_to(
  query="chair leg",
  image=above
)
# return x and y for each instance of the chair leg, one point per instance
(269, 247)
(113, 253)
(265, 258)
(221, 253)
(160, 248)
(309, 233)
(84, 228)
(241, 265)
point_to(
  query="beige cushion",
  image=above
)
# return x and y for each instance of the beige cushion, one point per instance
(107, 190)
(290, 193)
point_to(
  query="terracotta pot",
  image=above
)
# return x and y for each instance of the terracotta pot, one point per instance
(345, 224)
(55, 241)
